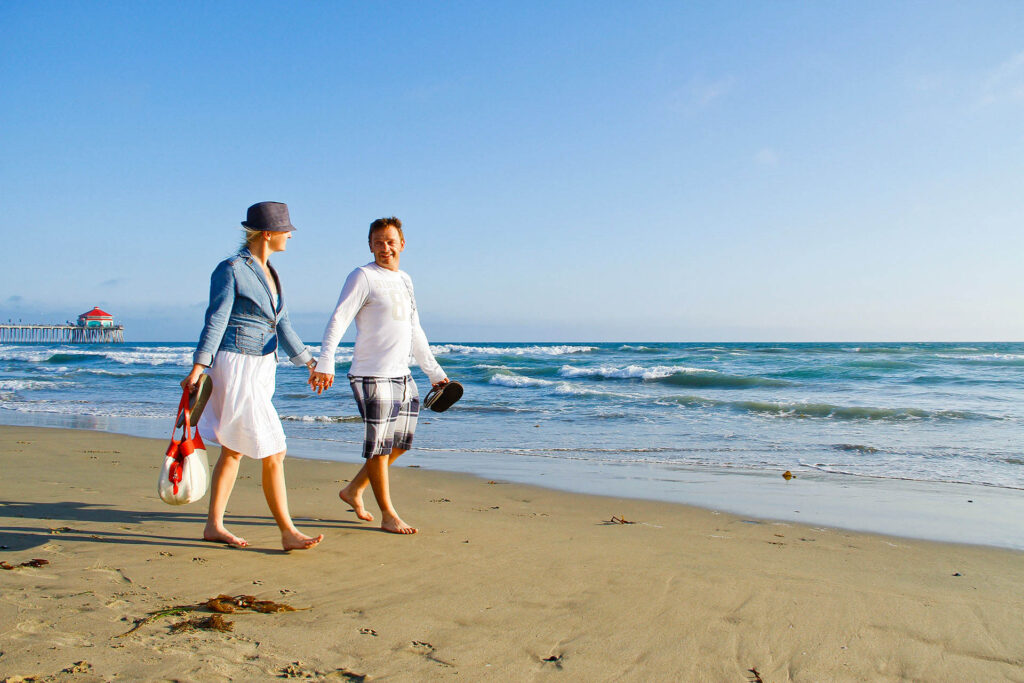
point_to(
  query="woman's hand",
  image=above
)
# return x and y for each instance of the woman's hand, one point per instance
(320, 381)
(193, 377)
(441, 383)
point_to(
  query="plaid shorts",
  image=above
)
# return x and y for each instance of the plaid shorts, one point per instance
(389, 407)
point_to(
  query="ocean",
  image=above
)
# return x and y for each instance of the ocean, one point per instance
(640, 419)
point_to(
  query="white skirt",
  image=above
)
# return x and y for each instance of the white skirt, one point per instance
(240, 414)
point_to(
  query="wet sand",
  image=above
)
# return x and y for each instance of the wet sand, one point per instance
(503, 582)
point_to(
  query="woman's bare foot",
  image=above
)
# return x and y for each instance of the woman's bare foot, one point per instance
(296, 540)
(222, 535)
(395, 525)
(356, 501)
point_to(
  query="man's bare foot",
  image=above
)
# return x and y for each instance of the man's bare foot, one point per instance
(356, 501)
(395, 525)
(295, 540)
(222, 535)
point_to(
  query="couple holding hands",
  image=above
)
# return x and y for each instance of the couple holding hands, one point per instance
(247, 320)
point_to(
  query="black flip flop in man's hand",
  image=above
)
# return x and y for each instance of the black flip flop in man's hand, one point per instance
(443, 395)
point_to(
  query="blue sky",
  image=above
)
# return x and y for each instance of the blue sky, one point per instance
(565, 170)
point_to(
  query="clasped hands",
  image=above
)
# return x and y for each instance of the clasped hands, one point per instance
(320, 381)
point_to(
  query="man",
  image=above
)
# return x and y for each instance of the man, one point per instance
(380, 298)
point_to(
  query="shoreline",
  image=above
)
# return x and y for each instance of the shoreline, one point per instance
(943, 512)
(504, 581)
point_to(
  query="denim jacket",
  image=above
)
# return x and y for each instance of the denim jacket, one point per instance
(241, 317)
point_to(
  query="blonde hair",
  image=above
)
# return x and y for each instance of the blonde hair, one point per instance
(250, 236)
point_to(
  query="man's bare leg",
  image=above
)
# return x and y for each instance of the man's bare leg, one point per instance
(353, 493)
(277, 499)
(377, 473)
(224, 474)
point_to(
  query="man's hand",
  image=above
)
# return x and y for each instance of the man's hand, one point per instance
(320, 381)
(441, 383)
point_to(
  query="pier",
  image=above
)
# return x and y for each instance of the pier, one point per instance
(61, 334)
(93, 327)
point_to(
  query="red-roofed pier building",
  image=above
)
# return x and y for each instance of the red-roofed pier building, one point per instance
(96, 318)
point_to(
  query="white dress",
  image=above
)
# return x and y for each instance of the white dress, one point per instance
(240, 413)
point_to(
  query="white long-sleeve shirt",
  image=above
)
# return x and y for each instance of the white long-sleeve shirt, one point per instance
(387, 326)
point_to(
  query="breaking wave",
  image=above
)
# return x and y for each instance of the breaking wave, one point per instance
(673, 375)
(555, 350)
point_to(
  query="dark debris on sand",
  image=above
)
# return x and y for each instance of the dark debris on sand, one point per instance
(80, 667)
(619, 520)
(553, 659)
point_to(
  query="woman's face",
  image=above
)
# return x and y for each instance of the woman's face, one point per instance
(278, 241)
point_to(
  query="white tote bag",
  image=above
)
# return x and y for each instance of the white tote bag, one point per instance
(186, 471)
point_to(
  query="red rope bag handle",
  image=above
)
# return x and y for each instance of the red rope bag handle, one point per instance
(181, 449)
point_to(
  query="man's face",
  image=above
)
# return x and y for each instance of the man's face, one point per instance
(386, 245)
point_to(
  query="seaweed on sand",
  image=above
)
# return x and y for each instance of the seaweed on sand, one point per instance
(226, 604)
(153, 616)
(30, 563)
(214, 622)
(222, 604)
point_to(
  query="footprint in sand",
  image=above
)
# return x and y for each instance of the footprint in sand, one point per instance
(31, 627)
(425, 649)
(113, 573)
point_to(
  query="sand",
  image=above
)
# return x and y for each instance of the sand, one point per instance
(503, 582)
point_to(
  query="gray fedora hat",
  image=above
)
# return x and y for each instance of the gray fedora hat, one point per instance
(271, 216)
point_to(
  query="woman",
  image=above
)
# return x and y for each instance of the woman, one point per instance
(238, 348)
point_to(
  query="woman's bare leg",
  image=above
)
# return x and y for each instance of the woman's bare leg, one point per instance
(277, 499)
(224, 474)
